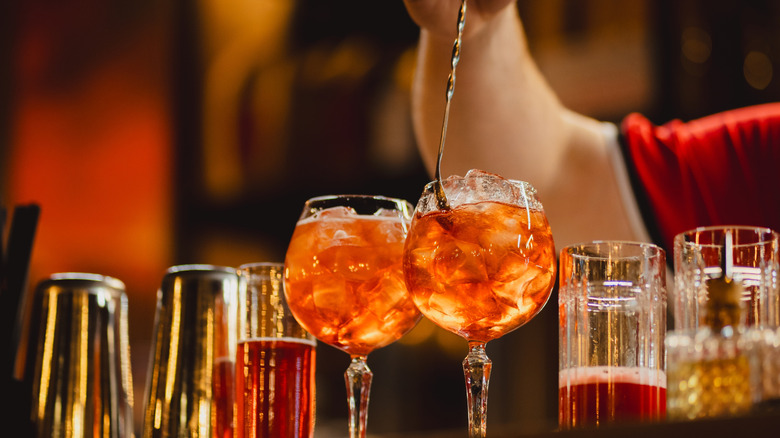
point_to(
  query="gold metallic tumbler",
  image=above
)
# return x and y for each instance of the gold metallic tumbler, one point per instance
(82, 381)
(190, 383)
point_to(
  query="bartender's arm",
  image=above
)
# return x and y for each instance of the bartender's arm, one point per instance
(504, 118)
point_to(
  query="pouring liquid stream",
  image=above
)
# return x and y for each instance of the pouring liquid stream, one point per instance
(441, 198)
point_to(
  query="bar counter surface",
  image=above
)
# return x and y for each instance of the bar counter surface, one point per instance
(765, 425)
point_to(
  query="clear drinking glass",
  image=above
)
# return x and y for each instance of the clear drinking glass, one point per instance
(612, 310)
(344, 282)
(275, 360)
(742, 354)
(480, 268)
(697, 258)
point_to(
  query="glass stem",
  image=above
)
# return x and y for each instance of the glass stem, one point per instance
(476, 368)
(358, 378)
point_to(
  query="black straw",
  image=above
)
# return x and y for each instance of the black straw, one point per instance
(14, 271)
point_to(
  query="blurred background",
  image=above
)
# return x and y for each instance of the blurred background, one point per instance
(161, 132)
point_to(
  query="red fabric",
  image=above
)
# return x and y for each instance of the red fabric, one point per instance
(723, 169)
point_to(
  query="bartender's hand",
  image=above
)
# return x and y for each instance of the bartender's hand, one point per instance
(439, 17)
(507, 120)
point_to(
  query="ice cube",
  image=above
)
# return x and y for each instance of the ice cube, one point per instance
(388, 231)
(485, 186)
(363, 329)
(350, 262)
(540, 286)
(499, 241)
(333, 303)
(394, 322)
(457, 261)
(389, 212)
(385, 294)
(338, 232)
(456, 191)
(528, 307)
(527, 290)
(508, 266)
(507, 293)
(301, 301)
(335, 212)
(482, 304)
(442, 307)
(490, 186)
(479, 173)
(420, 259)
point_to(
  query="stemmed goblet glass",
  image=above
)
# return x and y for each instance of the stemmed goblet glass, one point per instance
(480, 265)
(344, 282)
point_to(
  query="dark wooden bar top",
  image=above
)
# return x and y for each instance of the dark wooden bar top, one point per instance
(765, 425)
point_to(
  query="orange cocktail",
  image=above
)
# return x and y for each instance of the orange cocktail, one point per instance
(479, 263)
(344, 281)
(481, 270)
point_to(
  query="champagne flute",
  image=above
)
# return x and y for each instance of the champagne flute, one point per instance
(344, 282)
(480, 267)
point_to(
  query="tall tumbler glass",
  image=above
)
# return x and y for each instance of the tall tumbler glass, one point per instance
(697, 258)
(190, 383)
(612, 309)
(275, 361)
(82, 381)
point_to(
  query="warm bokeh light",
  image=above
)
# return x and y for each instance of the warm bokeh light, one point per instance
(91, 142)
(241, 38)
(100, 171)
(696, 45)
(758, 69)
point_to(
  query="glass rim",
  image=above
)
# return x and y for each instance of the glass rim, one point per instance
(578, 250)
(516, 182)
(252, 265)
(196, 267)
(319, 203)
(457, 190)
(356, 196)
(764, 235)
(272, 271)
(88, 282)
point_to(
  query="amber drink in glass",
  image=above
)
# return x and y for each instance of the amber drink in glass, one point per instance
(480, 268)
(344, 282)
(275, 361)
